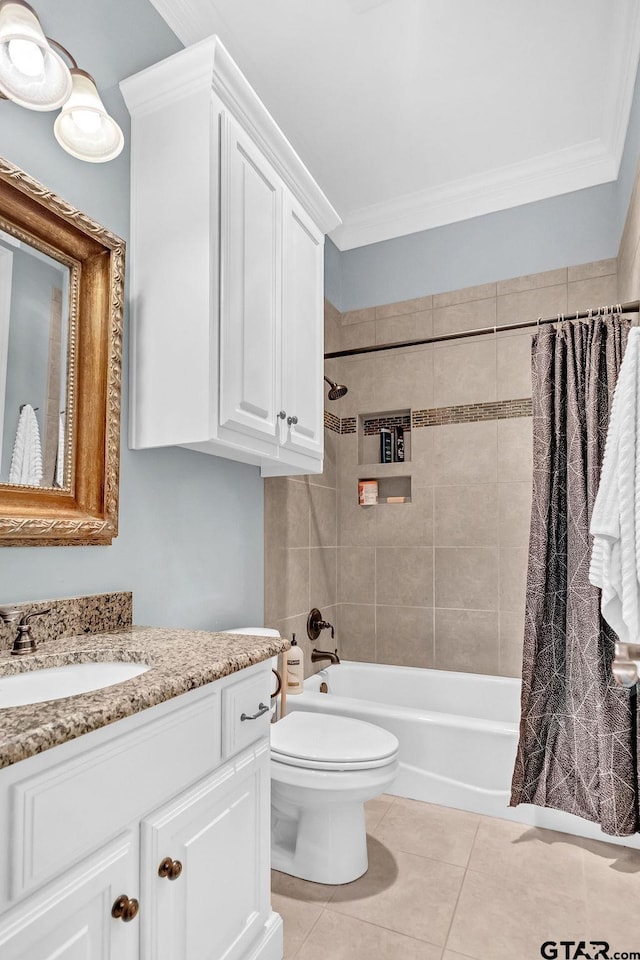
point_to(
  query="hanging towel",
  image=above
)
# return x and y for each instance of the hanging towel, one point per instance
(615, 523)
(26, 461)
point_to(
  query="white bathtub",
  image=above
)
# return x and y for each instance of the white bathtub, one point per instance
(460, 759)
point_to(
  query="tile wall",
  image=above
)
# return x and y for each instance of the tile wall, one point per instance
(438, 582)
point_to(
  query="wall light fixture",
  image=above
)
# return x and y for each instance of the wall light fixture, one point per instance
(34, 75)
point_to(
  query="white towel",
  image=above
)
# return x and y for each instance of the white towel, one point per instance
(615, 524)
(26, 461)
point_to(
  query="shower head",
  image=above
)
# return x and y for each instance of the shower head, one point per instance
(337, 390)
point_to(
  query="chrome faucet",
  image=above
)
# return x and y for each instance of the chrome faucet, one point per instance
(317, 655)
(24, 643)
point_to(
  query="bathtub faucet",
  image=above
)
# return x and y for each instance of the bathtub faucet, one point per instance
(315, 624)
(317, 655)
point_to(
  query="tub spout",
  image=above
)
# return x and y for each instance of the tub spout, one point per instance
(317, 655)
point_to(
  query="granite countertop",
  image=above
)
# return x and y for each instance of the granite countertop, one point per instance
(180, 660)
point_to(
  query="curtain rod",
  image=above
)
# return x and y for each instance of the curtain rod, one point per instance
(619, 308)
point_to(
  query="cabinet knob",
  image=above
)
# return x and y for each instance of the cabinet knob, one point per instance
(292, 420)
(171, 869)
(125, 909)
(282, 414)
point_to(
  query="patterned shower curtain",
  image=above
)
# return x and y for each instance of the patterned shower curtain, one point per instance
(578, 732)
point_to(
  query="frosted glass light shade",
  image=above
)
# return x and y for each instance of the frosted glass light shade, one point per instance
(23, 44)
(83, 127)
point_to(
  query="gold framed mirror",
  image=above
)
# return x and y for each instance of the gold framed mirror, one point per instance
(61, 315)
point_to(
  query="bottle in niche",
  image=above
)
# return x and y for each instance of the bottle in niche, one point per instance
(295, 667)
(400, 444)
(386, 446)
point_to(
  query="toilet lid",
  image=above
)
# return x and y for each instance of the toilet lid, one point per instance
(325, 741)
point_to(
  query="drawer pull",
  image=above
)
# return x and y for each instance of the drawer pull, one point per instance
(171, 869)
(262, 709)
(125, 909)
(292, 421)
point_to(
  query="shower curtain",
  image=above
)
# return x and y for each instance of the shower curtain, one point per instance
(578, 732)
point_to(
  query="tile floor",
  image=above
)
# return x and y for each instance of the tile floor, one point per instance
(443, 884)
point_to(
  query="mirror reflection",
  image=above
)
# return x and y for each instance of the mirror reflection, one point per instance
(34, 325)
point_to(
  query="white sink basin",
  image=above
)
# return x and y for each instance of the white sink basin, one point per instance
(53, 683)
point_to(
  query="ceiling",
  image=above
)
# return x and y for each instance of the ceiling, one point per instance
(411, 114)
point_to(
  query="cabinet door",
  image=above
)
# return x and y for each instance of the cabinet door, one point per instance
(303, 331)
(250, 286)
(219, 832)
(71, 918)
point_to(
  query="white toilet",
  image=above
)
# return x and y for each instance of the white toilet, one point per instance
(323, 769)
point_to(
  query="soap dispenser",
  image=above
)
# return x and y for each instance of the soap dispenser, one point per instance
(295, 667)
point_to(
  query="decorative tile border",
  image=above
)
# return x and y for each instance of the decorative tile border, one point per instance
(376, 424)
(332, 422)
(472, 412)
(436, 416)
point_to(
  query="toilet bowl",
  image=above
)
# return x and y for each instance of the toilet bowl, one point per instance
(323, 770)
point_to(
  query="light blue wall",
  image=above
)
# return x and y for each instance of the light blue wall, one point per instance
(191, 542)
(561, 231)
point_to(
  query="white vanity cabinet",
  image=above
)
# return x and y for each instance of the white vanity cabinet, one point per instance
(154, 809)
(227, 253)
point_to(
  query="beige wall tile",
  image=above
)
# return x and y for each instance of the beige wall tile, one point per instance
(356, 524)
(286, 583)
(465, 453)
(328, 476)
(515, 449)
(323, 576)
(531, 304)
(514, 367)
(414, 326)
(404, 635)
(469, 315)
(513, 578)
(356, 574)
(597, 268)
(481, 291)
(421, 464)
(597, 292)
(323, 527)
(332, 327)
(403, 378)
(286, 513)
(467, 640)
(404, 575)
(511, 642)
(631, 231)
(466, 578)
(420, 902)
(629, 278)
(356, 636)
(506, 920)
(532, 281)
(466, 515)
(515, 513)
(464, 373)
(403, 307)
(406, 524)
(359, 316)
(357, 335)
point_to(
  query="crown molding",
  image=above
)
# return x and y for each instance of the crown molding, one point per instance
(567, 170)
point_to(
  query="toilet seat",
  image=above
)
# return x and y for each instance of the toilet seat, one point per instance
(319, 741)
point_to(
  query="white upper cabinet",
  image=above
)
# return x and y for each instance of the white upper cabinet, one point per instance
(227, 270)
